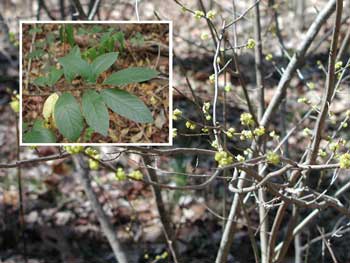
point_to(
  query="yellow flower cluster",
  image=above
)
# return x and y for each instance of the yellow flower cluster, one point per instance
(223, 158)
(230, 132)
(198, 14)
(136, 175)
(190, 125)
(174, 132)
(246, 134)
(177, 114)
(120, 174)
(205, 108)
(273, 158)
(204, 36)
(251, 43)
(247, 119)
(228, 87)
(211, 14)
(93, 164)
(259, 131)
(344, 161)
(73, 149)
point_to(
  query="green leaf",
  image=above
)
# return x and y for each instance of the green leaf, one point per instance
(74, 65)
(131, 75)
(68, 117)
(69, 37)
(39, 135)
(36, 54)
(103, 62)
(127, 105)
(95, 112)
(41, 81)
(137, 40)
(50, 38)
(24, 126)
(119, 36)
(96, 29)
(38, 124)
(54, 75)
(40, 44)
(35, 30)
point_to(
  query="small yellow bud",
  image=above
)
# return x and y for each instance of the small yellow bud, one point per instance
(247, 119)
(338, 65)
(240, 158)
(251, 43)
(259, 131)
(73, 149)
(211, 14)
(215, 144)
(307, 132)
(212, 79)
(198, 14)
(94, 165)
(174, 132)
(205, 130)
(344, 161)
(273, 158)
(322, 153)
(206, 107)
(190, 125)
(205, 36)
(223, 158)
(269, 57)
(15, 105)
(176, 114)
(228, 88)
(247, 134)
(137, 175)
(310, 85)
(120, 174)
(334, 146)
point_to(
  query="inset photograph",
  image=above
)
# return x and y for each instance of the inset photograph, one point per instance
(95, 83)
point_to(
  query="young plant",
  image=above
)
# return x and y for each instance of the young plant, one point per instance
(68, 114)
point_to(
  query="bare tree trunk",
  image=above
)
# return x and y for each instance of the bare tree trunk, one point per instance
(264, 225)
(107, 227)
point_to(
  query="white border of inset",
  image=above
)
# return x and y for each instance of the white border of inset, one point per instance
(170, 143)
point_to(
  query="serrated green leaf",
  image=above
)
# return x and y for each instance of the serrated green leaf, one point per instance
(131, 75)
(95, 112)
(39, 135)
(127, 105)
(40, 81)
(103, 62)
(73, 65)
(68, 117)
(54, 75)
